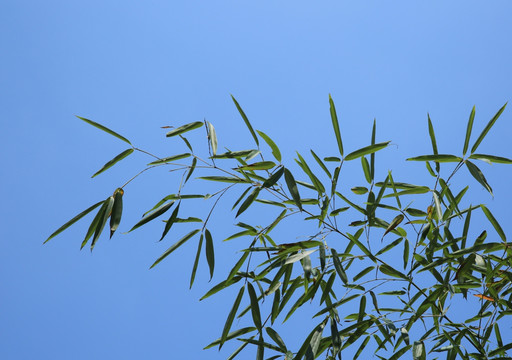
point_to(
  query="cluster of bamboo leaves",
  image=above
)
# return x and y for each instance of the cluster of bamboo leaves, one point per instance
(392, 289)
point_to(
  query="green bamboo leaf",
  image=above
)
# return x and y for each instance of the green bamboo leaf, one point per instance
(366, 170)
(277, 339)
(107, 130)
(274, 178)
(437, 202)
(416, 212)
(210, 254)
(94, 224)
(106, 211)
(292, 187)
(191, 169)
(478, 175)
(248, 201)
(220, 286)
(412, 191)
(170, 221)
(237, 266)
(255, 307)
(394, 223)
(468, 131)
(400, 352)
(487, 128)
(438, 158)
(183, 129)
(115, 160)
(321, 163)
(362, 309)
(370, 149)
(226, 179)
(494, 222)
(272, 144)
(232, 335)
(175, 246)
(117, 210)
(196, 260)
(388, 270)
(389, 246)
(433, 139)
(338, 266)
(297, 257)
(73, 220)
(335, 125)
(170, 159)
(153, 215)
(262, 165)
(246, 120)
(372, 156)
(491, 158)
(231, 317)
(212, 136)
(359, 190)
(236, 154)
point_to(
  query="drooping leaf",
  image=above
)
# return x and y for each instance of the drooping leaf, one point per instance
(321, 163)
(107, 130)
(255, 307)
(170, 159)
(246, 120)
(335, 125)
(236, 154)
(491, 158)
(170, 221)
(73, 220)
(478, 175)
(438, 158)
(212, 136)
(494, 222)
(468, 132)
(106, 211)
(115, 160)
(292, 187)
(153, 215)
(232, 335)
(277, 339)
(272, 144)
(175, 246)
(191, 169)
(487, 128)
(366, 170)
(274, 178)
(262, 165)
(231, 316)
(226, 179)
(117, 211)
(210, 254)
(394, 223)
(388, 270)
(196, 260)
(94, 224)
(237, 266)
(316, 182)
(338, 266)
(370, 149)
(248, 201)
(183, 129)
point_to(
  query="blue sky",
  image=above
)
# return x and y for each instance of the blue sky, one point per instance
(137, 66)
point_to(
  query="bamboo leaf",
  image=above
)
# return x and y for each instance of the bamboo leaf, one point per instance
(115, 160)
(231, 317)
(338, 266)
(196, 260)
(487, 128)
(494, 222)
(226, 179)
(370, 149)
(275, 150)
(433, 139)
(170, 159)
(274, 178)
(366, 170)
(468, 131)
(183, 129)
(106, 211)
(73, 220)
(491, 158)
(210, 254)
(394, 223)
(292, 187)
(107, 130)
(262, 165)
(236, 154)
(170, 221)
(117, 211)
(388, 270)
(335, 125)
(237, 267)
(478, 175)
(232, 335)
(277, 339)
(438, 158)
(175, 246)
(297, 257)
(153, 215)
(212, 136)
(255, 307)
(246, 120)
(191, 169)
(94, 224)
(248, 201)
(321, 163)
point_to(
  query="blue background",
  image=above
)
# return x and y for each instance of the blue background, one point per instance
(136, 66)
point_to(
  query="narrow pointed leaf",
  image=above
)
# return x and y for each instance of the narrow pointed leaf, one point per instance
(494, 222)
(231, 335)
(210, 254)
(262, 165)
(246, 120)
(117, 211)
(226, 179)
(175, 246)
(183, 129)
(277, 339)
(274, 178)
(321, 163)
(370, 149)
(468, 131)
(107, 130)
(170, 221)
(418, 351)
(236, 154)
(433, 139)
(338, 266)
(248, 201)
(231, 316)
(73, 220)
(292, 187)
(388, 270)
(335, 125)
(191, 169)
(212, 136)
(153, 215)
(272, 144)
(394, 223)
(491, 158)
(94, 224)
(196, 260)
(437, 158)
(255, 307)
(115, 160)
(106, 211)
(170, 159)
(237, 266)
(487, 128)
(478, 175)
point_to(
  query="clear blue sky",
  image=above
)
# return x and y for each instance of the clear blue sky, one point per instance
(137, 66)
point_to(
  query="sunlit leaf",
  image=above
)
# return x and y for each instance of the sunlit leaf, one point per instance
(115, 160)
(370, 149)
(292, 187)
(359, 190)
(338, 266)
(491, 158)
(107, 130)
(335, 125)
(478, 175)
(175, 246)
(468, 132)
(272, 144)
(153, 215)
(231, 316)
(170, 159)
(212, 136)
(183, 129)
(437, 158)
(494, 222)
(262, 165)
(246, 120)
(487, 128)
